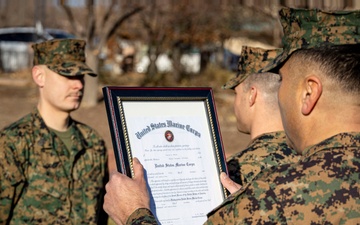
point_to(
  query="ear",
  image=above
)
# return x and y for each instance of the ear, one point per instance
(252, 96)
(38, 75)
(311, 94)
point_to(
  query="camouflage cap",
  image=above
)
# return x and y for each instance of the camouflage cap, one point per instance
(63, 56)
(252, 59)
(310, 28)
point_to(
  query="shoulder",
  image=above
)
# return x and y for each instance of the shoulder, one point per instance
(16, 139)
(277, 137)
(336, 151)
(19, 127)
(249, 206)
(269, 144)
(87, 131)
(305, 184)
(90, 136)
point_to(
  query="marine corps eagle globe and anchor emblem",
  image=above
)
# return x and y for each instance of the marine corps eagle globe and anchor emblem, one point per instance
(169, 136)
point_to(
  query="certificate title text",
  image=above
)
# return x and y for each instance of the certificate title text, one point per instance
(167, 124)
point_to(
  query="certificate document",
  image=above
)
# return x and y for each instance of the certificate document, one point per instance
(174, 142)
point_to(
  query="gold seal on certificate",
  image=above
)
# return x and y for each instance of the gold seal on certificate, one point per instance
(169, 136)
(179, 146)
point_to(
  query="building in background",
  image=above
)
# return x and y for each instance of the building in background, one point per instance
(15, 45)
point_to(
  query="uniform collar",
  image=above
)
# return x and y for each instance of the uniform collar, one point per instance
(338, 141)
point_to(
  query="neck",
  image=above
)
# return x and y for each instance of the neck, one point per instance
(55, 119)
(326, 126)
(266, 122)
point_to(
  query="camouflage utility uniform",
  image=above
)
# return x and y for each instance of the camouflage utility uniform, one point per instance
(42, 182)
(268, 149)
(265, 151)
(323, 188)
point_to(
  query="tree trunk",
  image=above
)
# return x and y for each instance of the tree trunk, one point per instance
(90, 97)
(204, 59)
(152, 69)
(177, 67)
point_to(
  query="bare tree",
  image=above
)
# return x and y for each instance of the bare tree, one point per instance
(23, 16)
(174, 27)
(97, 29)
(154, 22)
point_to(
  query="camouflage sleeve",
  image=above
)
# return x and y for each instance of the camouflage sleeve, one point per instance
(11, 176)
(258, 205)
(141, 216)
(92, 138)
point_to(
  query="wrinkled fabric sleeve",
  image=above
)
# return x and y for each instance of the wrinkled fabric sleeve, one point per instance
(96, 144)
(142, 216)
(11, 177)
(256, 203)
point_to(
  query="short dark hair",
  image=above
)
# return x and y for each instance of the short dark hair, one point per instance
(269, 84)
(340, 63)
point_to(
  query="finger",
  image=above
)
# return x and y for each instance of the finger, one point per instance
(113, 173)
(115, 177)
(230, 185)
(138, 169)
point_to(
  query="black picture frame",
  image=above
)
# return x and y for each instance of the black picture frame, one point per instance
(125, 106)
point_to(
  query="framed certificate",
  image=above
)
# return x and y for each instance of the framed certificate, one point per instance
(175, 134)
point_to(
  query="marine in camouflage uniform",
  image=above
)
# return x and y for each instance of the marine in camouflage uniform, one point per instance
(43, 181)
(265, 151)
(268, 149)
(324, 187)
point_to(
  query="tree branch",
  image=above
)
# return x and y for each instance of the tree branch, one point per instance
(63, 4)
(123, 18)
(107, 33)
(91, 23)
(108, 12)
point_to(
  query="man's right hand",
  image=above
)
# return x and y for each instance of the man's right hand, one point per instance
(124, 195)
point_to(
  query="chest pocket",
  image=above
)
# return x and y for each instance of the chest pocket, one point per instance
(88, 171)
(88, 167)
(46, 192)
(46, 175)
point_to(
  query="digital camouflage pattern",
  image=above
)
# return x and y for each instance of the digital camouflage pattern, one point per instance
(63, 56)
(142, 216)
(304, 29)
(42, 182)
(251, 60)
(323, 188)
(265, 151)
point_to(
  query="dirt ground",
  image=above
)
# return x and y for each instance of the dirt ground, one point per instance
(18, 96)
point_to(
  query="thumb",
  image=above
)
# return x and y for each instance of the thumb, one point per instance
(230, 185)
(138, 169)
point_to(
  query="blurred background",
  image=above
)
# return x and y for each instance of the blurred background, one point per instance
(141, 43)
